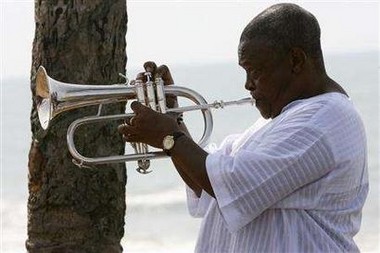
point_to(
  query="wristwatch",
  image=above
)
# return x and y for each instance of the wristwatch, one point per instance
(169, 141)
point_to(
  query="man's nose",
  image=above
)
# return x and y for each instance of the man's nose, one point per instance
(249, 85)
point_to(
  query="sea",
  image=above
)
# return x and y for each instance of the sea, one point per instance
(156, 219)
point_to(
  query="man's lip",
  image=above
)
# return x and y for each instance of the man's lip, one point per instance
(253, 95)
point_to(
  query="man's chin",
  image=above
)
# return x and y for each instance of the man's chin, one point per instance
(265, 116)
(264, 113)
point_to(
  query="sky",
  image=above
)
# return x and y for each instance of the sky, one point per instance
(193, 31)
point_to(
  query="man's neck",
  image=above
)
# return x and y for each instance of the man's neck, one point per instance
(320, 84)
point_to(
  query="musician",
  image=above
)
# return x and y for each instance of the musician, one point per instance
(295, 181)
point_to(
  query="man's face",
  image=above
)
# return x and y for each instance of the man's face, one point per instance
(268, 76)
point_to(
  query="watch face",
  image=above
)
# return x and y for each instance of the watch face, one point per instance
(168, 142)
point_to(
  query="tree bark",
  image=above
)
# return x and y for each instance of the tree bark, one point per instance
(73, 209)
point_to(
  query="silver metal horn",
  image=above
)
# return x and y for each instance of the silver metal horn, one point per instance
(55, 97)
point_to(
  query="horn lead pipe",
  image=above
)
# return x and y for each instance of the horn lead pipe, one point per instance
(216, 105)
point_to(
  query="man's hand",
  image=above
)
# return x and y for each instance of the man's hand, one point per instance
(148, 126)
(163, 72)
(151, 127)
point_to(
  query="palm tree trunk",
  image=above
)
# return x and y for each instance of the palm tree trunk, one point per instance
(73, 209)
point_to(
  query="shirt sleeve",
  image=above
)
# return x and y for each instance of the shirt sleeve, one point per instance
(261, 174)
(197, 206)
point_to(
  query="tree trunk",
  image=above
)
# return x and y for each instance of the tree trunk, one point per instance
(73, 209)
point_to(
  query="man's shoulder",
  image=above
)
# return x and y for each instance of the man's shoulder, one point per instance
(324, 113)
(319, 107)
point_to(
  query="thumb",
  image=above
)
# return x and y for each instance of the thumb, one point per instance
(137, 106)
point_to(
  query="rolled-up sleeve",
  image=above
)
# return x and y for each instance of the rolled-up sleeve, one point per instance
(197, 206)
(259, 175)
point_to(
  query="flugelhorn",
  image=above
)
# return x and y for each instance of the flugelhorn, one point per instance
(54, 97)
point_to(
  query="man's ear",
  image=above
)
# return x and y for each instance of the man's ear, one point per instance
(298, 59)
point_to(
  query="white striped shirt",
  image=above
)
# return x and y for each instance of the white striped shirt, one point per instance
(296, 184)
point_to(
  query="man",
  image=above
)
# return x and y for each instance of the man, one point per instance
(296, 182)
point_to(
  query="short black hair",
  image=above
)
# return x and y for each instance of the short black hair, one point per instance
(284, 26)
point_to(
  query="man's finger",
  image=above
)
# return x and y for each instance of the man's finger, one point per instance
(125, 129)
(164, 72)
(137, 106)
(121, 128)
(141, 76)
(129, 121)
(130, 138)
(150, 66)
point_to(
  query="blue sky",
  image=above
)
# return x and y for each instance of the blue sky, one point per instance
(194, 32)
